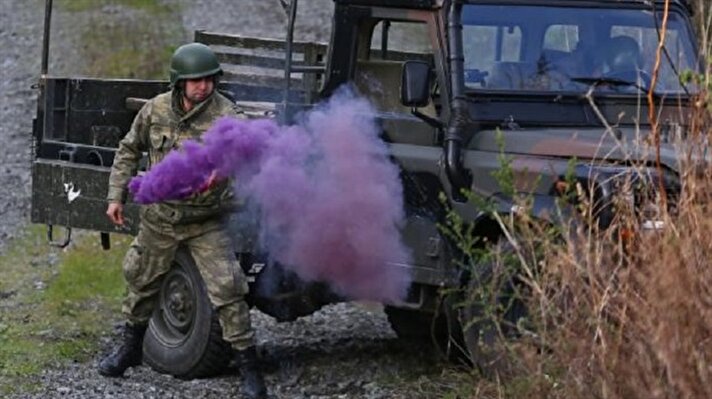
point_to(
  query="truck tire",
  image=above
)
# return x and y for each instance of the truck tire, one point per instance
(483, 335)
(442, 332)
(184, 337)
(409, 324)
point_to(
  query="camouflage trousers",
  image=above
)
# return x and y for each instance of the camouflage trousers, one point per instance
(150, 257)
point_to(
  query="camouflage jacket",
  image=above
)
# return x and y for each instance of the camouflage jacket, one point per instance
(160, 126)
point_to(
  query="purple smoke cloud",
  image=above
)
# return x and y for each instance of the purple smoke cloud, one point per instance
(228, 147)
(330, 200)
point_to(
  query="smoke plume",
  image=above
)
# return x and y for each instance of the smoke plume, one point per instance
(330, 200)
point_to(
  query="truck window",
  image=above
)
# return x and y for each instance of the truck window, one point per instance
(411, 37)
(378, 77)
(485, 46)
(646, 38)
(546, 48)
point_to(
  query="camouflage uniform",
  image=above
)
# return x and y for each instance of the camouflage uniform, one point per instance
(196, 223)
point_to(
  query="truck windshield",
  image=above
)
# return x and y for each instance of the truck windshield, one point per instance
(567, 49)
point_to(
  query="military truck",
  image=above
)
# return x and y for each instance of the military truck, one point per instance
(560, 81)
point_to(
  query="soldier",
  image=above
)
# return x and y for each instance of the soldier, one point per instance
(185, 112)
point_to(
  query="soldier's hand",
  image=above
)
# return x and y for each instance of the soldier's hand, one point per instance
(212, 181)
(115, 212)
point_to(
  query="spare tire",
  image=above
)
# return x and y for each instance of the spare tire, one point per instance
(184, 337)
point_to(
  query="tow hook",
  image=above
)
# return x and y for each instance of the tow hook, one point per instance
(59, 244)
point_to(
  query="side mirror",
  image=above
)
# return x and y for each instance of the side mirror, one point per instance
(415, 84)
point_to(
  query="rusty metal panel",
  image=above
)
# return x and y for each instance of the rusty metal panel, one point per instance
(73, 195)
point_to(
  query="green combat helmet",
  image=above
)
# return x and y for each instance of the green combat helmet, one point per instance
(193, 60)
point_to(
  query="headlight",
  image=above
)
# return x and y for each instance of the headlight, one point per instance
(612, 189)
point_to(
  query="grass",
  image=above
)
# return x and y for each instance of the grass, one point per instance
(55, 305)
(149, 6)
(63, 321)
(132, 63)
(133, 43)
(143, 53)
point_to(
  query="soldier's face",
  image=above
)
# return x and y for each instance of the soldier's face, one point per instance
(197, 90)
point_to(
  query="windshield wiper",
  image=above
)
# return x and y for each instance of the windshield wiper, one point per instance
(610, 81)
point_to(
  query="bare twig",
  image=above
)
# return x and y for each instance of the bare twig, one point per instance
(652, 115)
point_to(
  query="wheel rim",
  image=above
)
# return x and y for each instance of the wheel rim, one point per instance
(175, 316)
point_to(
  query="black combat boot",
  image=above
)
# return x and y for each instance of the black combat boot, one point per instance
(128, 354)
(252, 385)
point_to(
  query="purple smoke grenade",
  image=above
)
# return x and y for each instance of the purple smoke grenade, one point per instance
(330, 200)
(227, 148)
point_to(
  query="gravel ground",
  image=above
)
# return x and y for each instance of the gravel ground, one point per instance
(342, 351)
(19, 23)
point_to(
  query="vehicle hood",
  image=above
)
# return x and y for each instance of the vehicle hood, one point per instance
(583, 143)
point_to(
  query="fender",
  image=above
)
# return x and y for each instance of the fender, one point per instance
(545, 208)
